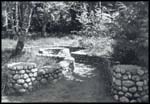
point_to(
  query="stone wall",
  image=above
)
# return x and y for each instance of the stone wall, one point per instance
(130, 83)
(24, 77)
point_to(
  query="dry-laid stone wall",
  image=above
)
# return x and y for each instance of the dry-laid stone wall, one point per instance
(130, 83)
(24, 77)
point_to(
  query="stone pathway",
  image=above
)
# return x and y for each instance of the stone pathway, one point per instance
(88, 84)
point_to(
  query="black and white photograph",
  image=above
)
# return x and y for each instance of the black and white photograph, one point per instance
(74, 51)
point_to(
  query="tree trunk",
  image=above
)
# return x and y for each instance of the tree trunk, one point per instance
(17, 20)
(43, 33)
(5, 16)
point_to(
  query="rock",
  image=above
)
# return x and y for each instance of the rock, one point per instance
(122, 71)
(33, 79)
(21, 81)
(140, 72)
(124, 99)
(25, 85)
(31, 75)
(139, 100)
(34, 70)
(28, 80)
(140, 89)
(22, 71)
(17, 86)
(133, 89)
(145, 82)
(129, 95)
(125, 89)
(136, 95)
(139, 83)
(118, 75)
(44, 81)
(145, 87)
(35, 82)
(22, 90)
(145, 98)
(13, 72)
(35, 74)
(118, 82)
(30, 83)
(116, 97)
(129, 76)
(19, 67)
(39, 78)
(125, 76)
(16, 77)
(26, 76)
(10, 85)
(120, 93)
(135, 77)
(133, 101)
(28, 71)
(128, 83)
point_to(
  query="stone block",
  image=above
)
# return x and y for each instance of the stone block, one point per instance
(133, 89)
(128, 83)
(140, 83)
(118, 82)
(124, 99)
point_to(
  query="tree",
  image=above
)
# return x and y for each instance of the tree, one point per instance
(23, 19)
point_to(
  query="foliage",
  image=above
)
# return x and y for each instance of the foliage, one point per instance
(93, 23)
(131, 33)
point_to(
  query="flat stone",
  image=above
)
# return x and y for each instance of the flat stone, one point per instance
(125, 77)
(140, 72)
(22, 90)
(10, 85)
(21, 81)
(129, 95)
(44, 81)
(17, 86)
(31, 75)
(25, 85)
(145, 87)
(136, 95)
(34, 70)
(140, 89)
(33, 79)
(124, 99)
(116, 97)
(26, 76)
(129, 76)
(139, 83)
(22, 71)
(16, 77)
(118, 75)
(28, 71)
(122, 71)
(125, 89)
(118, 82)
(133, 101)
(120, 93)
(28, 80)
(145, 82)
(135, 77)
(34, 74)
(128, 83)
(133, 89)
(30, 83)
(145, 98)
(139, 100)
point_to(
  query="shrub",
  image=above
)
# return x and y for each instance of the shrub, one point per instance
(131, 28)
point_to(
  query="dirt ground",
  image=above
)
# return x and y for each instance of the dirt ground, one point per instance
(86, 85)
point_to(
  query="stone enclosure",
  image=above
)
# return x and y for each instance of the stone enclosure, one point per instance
(130, 83)
(24, 76)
